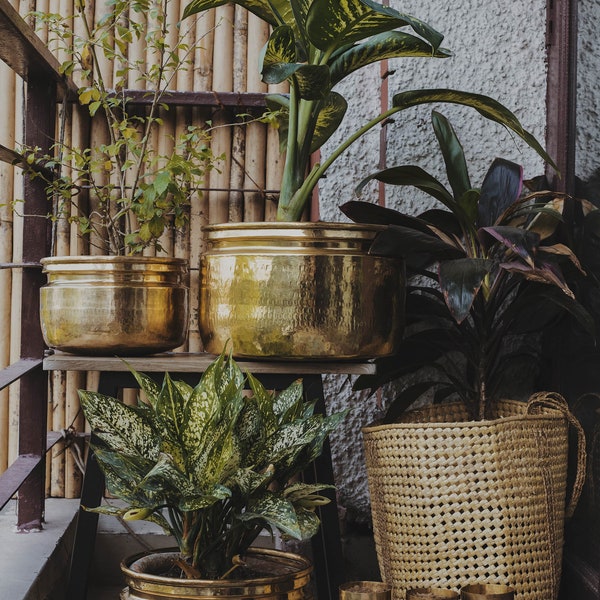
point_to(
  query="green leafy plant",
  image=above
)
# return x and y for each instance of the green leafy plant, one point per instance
(490, 270)
(122, 189)
(210, 464)
(314, 45)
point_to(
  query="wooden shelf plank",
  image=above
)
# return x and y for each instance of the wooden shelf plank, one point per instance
(210, 99)
(183, 362)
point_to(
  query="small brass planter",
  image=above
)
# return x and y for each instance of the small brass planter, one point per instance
(107, 305)
(289, 579)
(299, 291)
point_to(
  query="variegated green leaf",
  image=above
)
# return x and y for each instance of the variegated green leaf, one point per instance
(215, 494)
(328, 120)
(308, 522)
(264, 401)
(147, 384)
(297, 491)
(334, 23)
(124, 428)
(390, 44)
(275, 510)
(250, 428)
(248, 481)
(287, 405)
(164, 475)
(279, 60)
(486, 106)
(313, 81)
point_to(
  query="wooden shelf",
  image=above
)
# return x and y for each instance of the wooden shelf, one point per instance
(184, 362)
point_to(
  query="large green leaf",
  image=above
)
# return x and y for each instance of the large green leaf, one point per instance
(314, 82)
(124, 428)
(390, 44)
(500, 189)
(275, 510)
(267, 10)
(454, 156)
(287, 404)
(486, 106)
(334, 23)
(460, 281)
(330, 116)
(279, 59)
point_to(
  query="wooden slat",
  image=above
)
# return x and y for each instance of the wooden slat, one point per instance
(197, 363)
(24, 52)
(15, 371)
(242, 100)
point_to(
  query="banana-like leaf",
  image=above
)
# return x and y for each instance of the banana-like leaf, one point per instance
(333, 23)
(272, 11)
(454, 156)
(460, 281)
(124, 428)
(488, 107)
(412, 176)
(390, 44)
(330, 116)
(500, 189)
(275, 510)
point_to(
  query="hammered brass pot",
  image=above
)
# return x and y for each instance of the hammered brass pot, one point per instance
(285, 576)
(107, 305)
(299, 291)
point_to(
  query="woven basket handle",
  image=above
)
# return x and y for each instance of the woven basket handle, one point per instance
(557, 402)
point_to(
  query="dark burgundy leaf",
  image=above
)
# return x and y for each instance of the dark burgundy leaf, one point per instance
(501, 187)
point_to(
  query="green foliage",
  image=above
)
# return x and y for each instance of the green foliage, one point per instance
(134, 193)
(490, 271)
(314, 45)
(210, 464)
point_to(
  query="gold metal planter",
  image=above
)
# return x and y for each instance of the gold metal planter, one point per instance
(289, 579)
(299, 291)
(106, 305)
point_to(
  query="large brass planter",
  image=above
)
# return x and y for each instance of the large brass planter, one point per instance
(299, 291)
(106, 305)
(288, 579)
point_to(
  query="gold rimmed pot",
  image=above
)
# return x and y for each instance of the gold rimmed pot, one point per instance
(299, 291)
(279, 576)
(107, 305)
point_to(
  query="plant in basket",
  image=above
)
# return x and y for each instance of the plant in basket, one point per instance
(486, 475)
(212, 465)
(489, 274)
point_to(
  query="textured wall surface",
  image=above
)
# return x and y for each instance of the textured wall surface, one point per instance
(499, 50)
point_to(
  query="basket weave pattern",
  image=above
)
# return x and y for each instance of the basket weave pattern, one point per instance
(457, 502)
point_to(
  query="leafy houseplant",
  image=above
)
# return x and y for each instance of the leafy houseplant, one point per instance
(314, 45)
(490, 270)
(211, 465)
(133, 191)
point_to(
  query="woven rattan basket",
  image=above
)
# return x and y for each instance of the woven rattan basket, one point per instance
(456, 501)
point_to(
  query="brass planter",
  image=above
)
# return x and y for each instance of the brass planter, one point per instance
(299, 291)
(107, 305)
(289, 579)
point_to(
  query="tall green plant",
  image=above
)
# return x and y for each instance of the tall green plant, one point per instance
(490, 270)
(210, 464)
(314, 45)
(133, 191)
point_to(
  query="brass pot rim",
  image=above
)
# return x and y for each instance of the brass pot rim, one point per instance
(111, 263)
(304, 569)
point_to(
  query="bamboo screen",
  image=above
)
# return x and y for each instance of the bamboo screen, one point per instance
(226, 60)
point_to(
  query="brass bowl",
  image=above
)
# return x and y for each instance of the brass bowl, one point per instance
(107, 305)
(299, 291)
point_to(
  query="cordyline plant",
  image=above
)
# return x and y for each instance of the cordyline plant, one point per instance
(210, 464)
(122, 192)
(489, 271)
(314, 45)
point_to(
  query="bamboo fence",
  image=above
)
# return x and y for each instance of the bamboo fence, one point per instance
(226, 43)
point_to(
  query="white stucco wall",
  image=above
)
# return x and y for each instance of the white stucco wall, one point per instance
(499, 50)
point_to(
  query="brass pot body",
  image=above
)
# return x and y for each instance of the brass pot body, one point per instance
(289, 579)
(299, 291)
(107, 305)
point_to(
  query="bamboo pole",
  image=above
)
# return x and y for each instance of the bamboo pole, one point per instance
(274, 161)
(7, 134)
(203, 65)
(57, 419)
(218, 211)
(239, 67)
(73, 418)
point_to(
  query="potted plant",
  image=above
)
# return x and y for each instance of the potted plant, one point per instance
(214, 467)
(117, 188)
(488, 474)
(313, 46)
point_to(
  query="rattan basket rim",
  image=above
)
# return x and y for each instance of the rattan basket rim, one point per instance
(549, 413)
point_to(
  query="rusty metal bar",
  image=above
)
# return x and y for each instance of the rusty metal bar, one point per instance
(15, 371)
